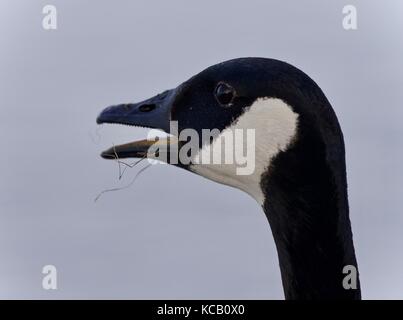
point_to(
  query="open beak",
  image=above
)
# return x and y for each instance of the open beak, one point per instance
(151, 113)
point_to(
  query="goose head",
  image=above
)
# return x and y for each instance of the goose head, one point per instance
(243, 104)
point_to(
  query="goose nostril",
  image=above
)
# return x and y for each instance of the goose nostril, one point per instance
(147, 107)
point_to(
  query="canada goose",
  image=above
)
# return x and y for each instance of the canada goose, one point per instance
(299, 177)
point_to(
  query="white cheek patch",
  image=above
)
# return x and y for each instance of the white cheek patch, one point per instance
(275, 125)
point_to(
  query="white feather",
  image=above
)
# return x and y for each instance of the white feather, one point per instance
(275, 125)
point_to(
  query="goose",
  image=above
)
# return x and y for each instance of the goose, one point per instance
(299, 177)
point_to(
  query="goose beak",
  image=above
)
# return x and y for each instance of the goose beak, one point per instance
(151, 113)
(140, 149)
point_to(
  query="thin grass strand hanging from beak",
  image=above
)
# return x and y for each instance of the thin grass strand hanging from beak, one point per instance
(124, 187)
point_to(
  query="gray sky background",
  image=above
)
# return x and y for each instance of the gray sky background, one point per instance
(174, 234)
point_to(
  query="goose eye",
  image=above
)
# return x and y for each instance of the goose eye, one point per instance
(224, 94)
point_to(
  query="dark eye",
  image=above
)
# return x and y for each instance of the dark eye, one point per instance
(224, 94)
